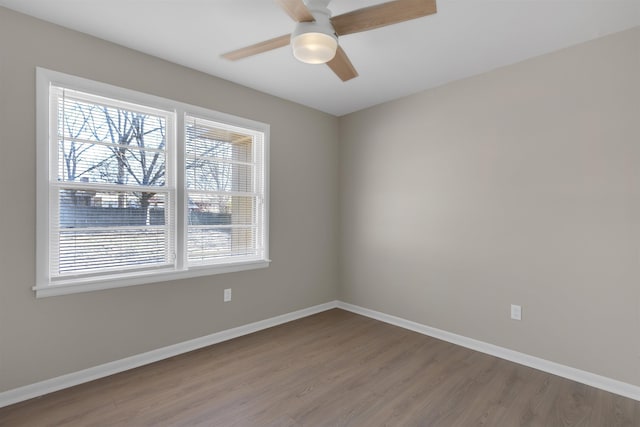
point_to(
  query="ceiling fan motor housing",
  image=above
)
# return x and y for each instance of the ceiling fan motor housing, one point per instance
(315, 42)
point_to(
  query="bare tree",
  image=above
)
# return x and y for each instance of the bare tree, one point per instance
(106, 144)
(73, 167)
(127, 131)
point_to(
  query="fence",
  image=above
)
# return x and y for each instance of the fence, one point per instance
(94, 216)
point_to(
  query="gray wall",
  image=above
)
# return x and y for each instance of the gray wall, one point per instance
(41, 339)
(521, 186)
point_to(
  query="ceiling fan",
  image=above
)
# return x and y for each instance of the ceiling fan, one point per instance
(315, 37)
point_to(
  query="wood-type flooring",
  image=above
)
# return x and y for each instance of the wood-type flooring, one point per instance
(335, 368)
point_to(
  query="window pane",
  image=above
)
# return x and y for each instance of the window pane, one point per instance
(82, 208)
(112, 229)
(220, 226)
(209, 210)
(91, 163)
(201, 145)
(220, 159)
(211, 243)
(208, 175)
(104, 144)
(205, 139)
(89, 250)
(233, 209)
(94, 121)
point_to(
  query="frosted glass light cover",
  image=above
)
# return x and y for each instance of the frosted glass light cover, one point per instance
(314, 48)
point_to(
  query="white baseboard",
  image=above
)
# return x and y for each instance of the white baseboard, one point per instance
(608, 384)
(69, 380)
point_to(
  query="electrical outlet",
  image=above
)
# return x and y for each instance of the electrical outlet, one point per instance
(516, 312)
(227, 295)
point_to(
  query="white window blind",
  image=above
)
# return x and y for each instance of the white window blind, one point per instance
(225, 192)
(110, 193)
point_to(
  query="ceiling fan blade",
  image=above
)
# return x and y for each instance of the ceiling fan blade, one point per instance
(381, 15)
(254, 49)
(296, 9)
(342, 66)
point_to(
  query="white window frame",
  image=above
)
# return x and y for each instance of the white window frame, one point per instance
(45, 286)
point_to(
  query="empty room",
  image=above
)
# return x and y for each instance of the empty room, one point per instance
(320, 213)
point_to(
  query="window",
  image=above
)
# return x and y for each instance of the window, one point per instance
(224, 192)
(135, 189)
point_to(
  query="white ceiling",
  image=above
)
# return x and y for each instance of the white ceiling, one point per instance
(465, 37)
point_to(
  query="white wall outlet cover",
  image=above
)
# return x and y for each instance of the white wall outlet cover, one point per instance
(516, 312)
(227, 295)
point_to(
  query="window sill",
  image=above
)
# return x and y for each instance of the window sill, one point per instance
(97, 284)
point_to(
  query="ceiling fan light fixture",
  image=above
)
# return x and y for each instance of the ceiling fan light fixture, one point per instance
(313, 44)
